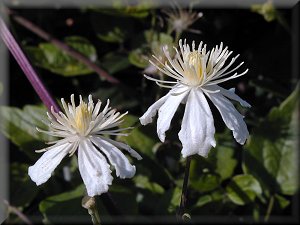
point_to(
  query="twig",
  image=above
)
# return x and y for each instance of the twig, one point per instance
(61, 45)
(28, 70)
(180, 212)
(17, 212)
(270, 208)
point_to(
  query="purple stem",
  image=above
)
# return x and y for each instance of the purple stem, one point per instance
(61, 45)
(23, 62)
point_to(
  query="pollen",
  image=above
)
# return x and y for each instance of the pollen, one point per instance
(83, 117)
(194, 60)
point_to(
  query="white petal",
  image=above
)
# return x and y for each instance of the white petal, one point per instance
(168, 109)
(93, 168)
(231, 117)
(197, 128)
(123, 168)
(229, 94)
(152, 110)
(41, 171)
(132, 152)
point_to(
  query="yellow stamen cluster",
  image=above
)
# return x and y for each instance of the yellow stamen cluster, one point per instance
(83, 117)
(194, 60)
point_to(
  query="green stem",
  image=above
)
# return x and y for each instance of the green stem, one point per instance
(89, 203)
(180, 212)
(270, 207)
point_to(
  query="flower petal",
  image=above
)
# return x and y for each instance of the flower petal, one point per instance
(229, 94)
(197, 128)
(93, 168)
(123, 168)
(152, 110)
(41, 171)
(126, 147)
(168, 109)
(231, 117)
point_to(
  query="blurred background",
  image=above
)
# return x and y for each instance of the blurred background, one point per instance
(257, 182)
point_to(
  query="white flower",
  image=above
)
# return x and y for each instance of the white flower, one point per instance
(180, 19)
(197, 75)
(82, 128)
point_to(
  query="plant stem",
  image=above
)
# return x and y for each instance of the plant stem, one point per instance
(89, 203)
(18, 213)
(61, 45)
(270, 208)
(183, 199)
(28, 70)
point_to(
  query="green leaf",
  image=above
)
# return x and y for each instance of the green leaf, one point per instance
(168, 202)
(271, 155)
(50, 57)
(114, 62)
(243, 189)
(159, 40)
(140, 138)
(143, 182)
(203, 200)
(282, 201)
(64, 205)
(51, 202)
(225, 163)
(154, 43)
(206, 182)
(119, 9)
(20, 127)
(111, 29)
(149, 167)
(138, 58)
(116, 35)
(24, 190)
(121, 97)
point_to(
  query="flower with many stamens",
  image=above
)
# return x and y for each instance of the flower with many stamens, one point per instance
(180, 20)
(83, 128)
(197, 74)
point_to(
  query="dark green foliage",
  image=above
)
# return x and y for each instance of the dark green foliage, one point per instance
(235, 180)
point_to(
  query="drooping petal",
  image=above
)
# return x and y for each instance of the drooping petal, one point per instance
(168, 109)
(231, 117)
(229, 94)
(126, 147)
(152, 110)
(123, 168)
(197, 128)
(94, 169)
(41, 171)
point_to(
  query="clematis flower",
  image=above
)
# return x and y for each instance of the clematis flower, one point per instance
(180, 20)
(82, 129)
(197, 74)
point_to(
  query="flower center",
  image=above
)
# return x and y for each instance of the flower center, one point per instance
(83, 117)
(195, 61)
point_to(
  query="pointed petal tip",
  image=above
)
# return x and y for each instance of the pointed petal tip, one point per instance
(247, 105)
(161, 136)
(145, 120)
(213, 143)
(33, 176)
(128, 174)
